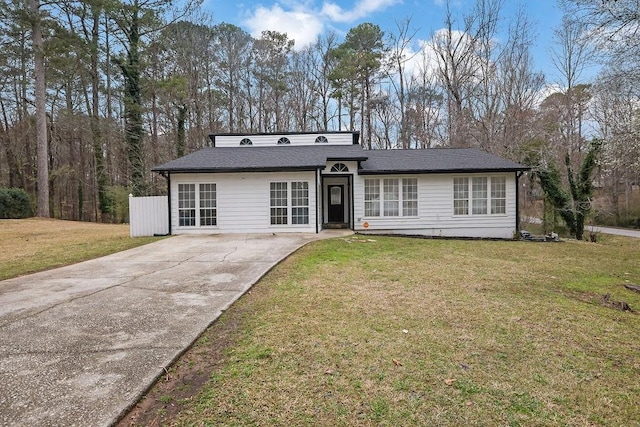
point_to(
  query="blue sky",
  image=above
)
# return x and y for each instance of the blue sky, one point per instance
(303, 20)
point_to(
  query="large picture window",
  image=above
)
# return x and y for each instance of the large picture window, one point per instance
(460, 196)
(208, 208)
(206, 213)
(498, 195)
(410, 197)
(278, 203)
(299, 203)
(371, 197)
(187, 205)
(480, 194)
(399, 197)
(289, 203)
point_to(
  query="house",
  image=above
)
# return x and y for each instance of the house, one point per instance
(307, 182)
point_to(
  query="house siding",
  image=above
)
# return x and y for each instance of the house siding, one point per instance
(295, 139)
(243, 203)
(435, 210)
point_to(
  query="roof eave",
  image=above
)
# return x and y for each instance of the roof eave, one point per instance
(436, 171)
(239, 170)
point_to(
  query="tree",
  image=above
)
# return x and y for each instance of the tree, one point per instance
(614, 108)
(359, 58)
(323, 64)
(41, 114)
(465, 61)
(613, 26)
(231, 55)
(135, 19)
(575, 204)
(271, 69)
(400, 44)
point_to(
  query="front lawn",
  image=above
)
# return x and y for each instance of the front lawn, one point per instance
(398, 331)
(36, 244)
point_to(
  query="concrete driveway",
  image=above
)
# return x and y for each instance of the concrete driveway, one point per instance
(80, 344)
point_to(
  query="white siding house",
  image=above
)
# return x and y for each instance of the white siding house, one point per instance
(242, 203)
(305, 182)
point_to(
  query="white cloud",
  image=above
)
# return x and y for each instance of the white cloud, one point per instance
(361, 9)
(300, 25)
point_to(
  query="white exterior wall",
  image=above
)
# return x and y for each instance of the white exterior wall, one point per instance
(243, 202)
(435, 210)
(296, 139)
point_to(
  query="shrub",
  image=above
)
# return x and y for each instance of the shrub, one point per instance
(14, 203)
(119, 208)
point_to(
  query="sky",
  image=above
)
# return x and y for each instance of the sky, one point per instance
(304, 20)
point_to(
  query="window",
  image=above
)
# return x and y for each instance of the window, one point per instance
(299, 203)
(206, 214)
(391, 198)
(321, 139)
(208, 211)
(485, 192)
(289, 203)
(399, 197)
(479, 196)
(187, 205)
(498, 195)
(339, 167)
(410, 197)
(284, 140)
(246, 141)
(371, 197)
(460, 196)
(278, 203)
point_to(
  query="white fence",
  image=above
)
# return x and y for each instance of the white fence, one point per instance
(148, 216)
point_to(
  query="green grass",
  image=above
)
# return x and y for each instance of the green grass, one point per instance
(399, 331)
(32, 245)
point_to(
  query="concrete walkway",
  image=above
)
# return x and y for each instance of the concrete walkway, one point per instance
(80, 344)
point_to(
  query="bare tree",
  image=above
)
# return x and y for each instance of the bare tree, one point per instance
(400, 53)
(571, 55)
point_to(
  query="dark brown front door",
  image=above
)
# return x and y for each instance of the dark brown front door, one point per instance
(336, 203)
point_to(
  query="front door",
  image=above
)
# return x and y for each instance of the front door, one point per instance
(336, 203)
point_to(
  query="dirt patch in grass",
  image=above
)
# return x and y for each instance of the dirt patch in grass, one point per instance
(418, 332)
(36, 244)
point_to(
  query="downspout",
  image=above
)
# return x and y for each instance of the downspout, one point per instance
(167, 175)
(316, 191)
(352, 203)
(518, 175)
(169, 196)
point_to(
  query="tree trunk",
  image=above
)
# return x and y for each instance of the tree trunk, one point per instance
(41, 114)
(98, 155)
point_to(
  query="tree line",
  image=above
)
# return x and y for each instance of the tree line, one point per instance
(94, 93)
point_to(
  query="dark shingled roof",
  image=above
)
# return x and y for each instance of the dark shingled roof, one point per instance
(262, 159)
(311, 157)
(435, 160)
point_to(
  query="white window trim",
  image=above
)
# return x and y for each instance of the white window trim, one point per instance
(400, 200)
(289, 205)
(469, 199)
(197, 207)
